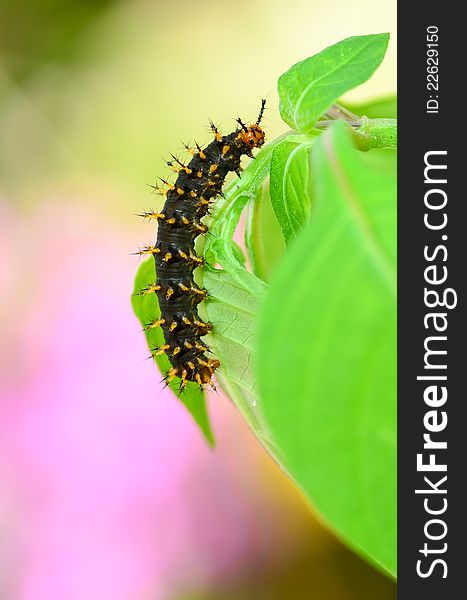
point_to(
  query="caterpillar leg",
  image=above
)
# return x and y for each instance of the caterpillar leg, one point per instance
(170, 376)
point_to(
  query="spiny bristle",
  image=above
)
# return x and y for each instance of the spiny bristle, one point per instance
(151, 288)
(189, 149)
(197, 260)
(199, 291)
(169, 185)
(177, 160)
(162, 350)
(157, 189)
(171, 374)
(202, 155)
(153, 324)
(215, 129)
(150, 214)
(146, 250)
(201, 227)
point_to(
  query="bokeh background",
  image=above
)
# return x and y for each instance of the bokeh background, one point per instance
(107, 489)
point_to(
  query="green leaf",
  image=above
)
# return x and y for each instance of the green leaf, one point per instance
(263, 236)
(233, 309)
(377, 108)
(309, 88)
(146, 308)
(291, 185)
(235, 294)
(331, 313)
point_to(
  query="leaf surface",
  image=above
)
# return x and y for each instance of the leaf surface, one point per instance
(327, 348)
(309, 88)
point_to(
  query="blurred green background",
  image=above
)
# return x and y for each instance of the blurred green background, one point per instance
(98, 92)
(93, 97)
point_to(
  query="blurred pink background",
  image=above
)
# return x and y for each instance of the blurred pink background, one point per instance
(108, 489)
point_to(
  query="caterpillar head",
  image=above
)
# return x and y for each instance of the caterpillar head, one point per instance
(252, 136)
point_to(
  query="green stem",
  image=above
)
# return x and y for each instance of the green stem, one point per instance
(376, 133)
(368, 133)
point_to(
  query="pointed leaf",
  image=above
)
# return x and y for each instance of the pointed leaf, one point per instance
(309, 88)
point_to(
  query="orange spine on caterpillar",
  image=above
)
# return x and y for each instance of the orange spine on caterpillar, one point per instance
(179, 222)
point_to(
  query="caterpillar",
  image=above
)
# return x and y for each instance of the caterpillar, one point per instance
(188, 200)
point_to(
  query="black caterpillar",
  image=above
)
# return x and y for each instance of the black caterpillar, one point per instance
(179, 224)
